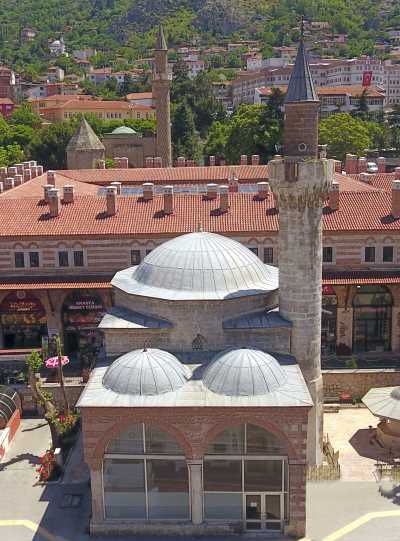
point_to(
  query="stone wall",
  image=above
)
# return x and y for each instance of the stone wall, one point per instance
(28, 405)
(357, 382)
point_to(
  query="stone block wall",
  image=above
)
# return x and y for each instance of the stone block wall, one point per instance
(357, 382)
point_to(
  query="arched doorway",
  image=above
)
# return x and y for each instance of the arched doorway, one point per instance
(82, 312)
(328, 320)
(372, 319)
(23, 321)
(245, 478)
(145, 476)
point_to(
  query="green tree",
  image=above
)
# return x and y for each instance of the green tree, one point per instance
(394, 125)
(26, 116)
(49, 144)
(362, 109)
(344, 134)
(184, 136)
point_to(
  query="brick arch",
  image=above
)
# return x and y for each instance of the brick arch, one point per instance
(248, 419)
(120, 426)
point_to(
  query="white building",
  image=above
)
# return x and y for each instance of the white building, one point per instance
(57, 47)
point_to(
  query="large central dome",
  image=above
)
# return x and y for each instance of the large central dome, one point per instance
(198, 266)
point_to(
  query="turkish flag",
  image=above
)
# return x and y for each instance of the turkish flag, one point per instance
(367, 78)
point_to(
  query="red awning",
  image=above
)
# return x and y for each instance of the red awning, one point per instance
(361, 277)
(54, 283)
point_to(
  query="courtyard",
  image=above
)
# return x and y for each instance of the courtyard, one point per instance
(356, 508)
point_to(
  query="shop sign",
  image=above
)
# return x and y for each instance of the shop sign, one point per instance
(21, 303)
(88, 304)
(83, 311)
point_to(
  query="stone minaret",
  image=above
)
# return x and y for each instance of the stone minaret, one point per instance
(161, 96)
(300, 181)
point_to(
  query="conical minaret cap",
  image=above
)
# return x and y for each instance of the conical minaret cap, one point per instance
(85, 138)
(301, 86)
(161, 44)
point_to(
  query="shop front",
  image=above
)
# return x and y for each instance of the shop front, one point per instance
(82, 312)
(328, 320)
(372, 319)
(23, 321)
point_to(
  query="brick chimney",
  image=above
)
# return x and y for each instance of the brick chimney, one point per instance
(212, 191)
(338, 166)
(255, 159)
(111, 200)
(243, 159)
(51, 177)
(68, 193)
(33, 171)
(181, 161)
(158, 161)
(362, 165)
(46, 189)
(351, 164)
(117, 185)
(39, 170)
(211, 161)
(26, 165)
(20, 168)
(397, 173)
(365, 177)
(381, 163)
(263, 190)
(334, 196)
(223, 198)
(396, 199)
(168, 200)
(18, 179)
(9, 183)
(116, 161)
(27, 175)
(100, 164)
(148, 191)
(149, 161)
(54, 202)
(33, 163)
(3, 173)
(12, 171)
(1, 187)
(124, 163)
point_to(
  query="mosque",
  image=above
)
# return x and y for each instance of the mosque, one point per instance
(207, 410)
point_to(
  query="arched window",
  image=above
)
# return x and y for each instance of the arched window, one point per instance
(199, 343)
(145, 476)
(372, 319)
(246, 478)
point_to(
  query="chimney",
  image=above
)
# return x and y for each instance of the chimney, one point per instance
(397, 173)
(1, 187)
(158, 161)
(168, 199)
(362, 165)
(149, 162)
(26, 165)
(124, 163)
(396, 199)
(334, 196)
(223, 198)
(39, 170)
(18, 179)
(3, 173)
(8, 183)
(12, 171)
(243, 159)
(351, 164)
(116, 162)
(365, 177)
(381, 163)
(148, 191)
(263, 189)
(51, 177)
(100, 164)
(33, 171)
(111, 198)
(180, 161)
(338, 166)
(255, 159)
(20, 168)
(190, 163)
(68, 193)
(46, 189)
(211, 161)
(212, 191)
(54, 202)
(27, 175)
(33, 163)
(118, 185)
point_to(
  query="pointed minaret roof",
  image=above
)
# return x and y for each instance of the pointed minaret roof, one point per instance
(301, 85)
(161, 44)
(85, 138)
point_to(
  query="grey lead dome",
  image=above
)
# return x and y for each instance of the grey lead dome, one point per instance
(145, 372)
(244, 372)
(198, 266)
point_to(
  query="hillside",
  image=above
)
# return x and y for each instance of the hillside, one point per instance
(126, 27)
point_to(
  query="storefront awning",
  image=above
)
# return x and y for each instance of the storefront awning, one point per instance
(361, 277)
(38, 282)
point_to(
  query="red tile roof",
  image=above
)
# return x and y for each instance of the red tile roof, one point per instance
(361, 277)
(351, 90)
(47, 282)
(34, 187)
(380, 181)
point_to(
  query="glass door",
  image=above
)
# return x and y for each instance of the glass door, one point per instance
(253, 511)
(273, 512)
(264, 512)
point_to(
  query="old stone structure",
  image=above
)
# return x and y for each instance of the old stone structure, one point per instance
(84, 149)
(124, 141)
(161, 94)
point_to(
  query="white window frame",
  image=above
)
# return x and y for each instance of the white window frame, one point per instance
(26, 251)
(70, 251)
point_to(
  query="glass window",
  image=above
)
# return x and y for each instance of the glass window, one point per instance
(387, 254)
(372, 319)
(159, 442)
(223, 506)
(263, 475)
(124, 488)
(253, 249)
(129, 442)
(135, 257)
(327, 254)
(369, 254)
(228, 442)
(262, 442)
(222, 475)
(168, 489)
(78, 258)
(33, 259)
(19, 260)
(269, 255)
(63, 258)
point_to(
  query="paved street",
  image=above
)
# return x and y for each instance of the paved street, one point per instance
(336, 510)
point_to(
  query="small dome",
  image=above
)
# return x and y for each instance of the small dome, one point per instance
(244, 372)
(124, 130)
(145, 372)
(199, 266)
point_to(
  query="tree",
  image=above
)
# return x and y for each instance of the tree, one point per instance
(344, 134)
(184, 136)
(49, 144)
(26, 116)
(394, 126)
(362, 109)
